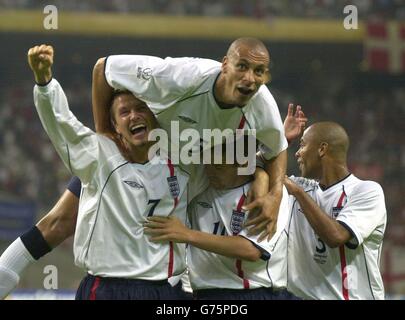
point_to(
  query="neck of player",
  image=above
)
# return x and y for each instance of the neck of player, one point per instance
(333, 174)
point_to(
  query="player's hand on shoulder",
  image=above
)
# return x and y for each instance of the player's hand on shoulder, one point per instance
(291, 186)
(40, 60)
(304, 183)
(262, 217)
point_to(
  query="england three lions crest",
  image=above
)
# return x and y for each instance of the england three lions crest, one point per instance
(173, 186)
(237, 219)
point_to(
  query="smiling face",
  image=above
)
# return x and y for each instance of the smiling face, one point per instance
(244, 70)
(308, 157)
(133, 120)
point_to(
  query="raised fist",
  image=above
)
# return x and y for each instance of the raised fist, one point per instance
(40, 60)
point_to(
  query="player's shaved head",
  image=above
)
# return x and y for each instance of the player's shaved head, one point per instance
(253, 44)
(334, 135)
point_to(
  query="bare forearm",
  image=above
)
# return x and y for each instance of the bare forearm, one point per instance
(59, 224)
(229, 246)
(276, 169)
(260, 186)
(328, 229)
(101, 98)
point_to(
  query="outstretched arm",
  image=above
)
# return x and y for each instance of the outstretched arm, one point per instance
(264, 209)
(328, 229)
(101, 98)
(265, 222)
(172, 229)
(77, 145)
(59, 224)
(40, 60)
(53, 229)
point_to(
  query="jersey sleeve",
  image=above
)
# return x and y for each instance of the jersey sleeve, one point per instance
(304, 183)
(364, 211)
(270, 131)
(76, 144)
(155, 80)
(267, 247)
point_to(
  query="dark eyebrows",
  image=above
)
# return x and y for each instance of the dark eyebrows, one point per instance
(243, 60)
(259, 66)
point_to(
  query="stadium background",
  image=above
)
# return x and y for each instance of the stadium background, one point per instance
(316, 62)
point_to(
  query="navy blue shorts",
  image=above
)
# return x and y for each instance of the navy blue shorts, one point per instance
(98, 288)
(243, 294)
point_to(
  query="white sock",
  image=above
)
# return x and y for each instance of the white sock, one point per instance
(13, 261)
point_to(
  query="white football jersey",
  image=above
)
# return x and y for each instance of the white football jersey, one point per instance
(181, 90)
(219, 212)
(316, 271)
(116, 197)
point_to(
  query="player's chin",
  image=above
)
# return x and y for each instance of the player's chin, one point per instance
(243, 99)
(139, 142)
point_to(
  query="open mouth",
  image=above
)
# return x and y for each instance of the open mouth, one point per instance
(138, 129)
(245, 91)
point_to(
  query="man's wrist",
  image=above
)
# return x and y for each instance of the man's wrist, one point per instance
(298, 192)
(43, 79)
(276, 187)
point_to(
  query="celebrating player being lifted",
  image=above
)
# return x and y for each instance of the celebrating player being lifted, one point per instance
(120, 189)
(337, 224)
(203, 94)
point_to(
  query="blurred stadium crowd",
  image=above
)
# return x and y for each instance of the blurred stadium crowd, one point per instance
(254, 8)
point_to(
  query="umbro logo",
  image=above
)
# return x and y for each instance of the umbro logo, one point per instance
(187, 119)
(134, 184)
(204, 205)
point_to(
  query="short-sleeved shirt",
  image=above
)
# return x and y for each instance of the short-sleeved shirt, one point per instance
(182, 90)
(316, 271)
(219, 212)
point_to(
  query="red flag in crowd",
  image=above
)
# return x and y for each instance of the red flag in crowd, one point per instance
(385, 47)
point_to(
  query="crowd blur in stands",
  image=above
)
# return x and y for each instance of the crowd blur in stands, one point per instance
(264, 9)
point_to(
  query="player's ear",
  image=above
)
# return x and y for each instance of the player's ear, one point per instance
(113, 124)
(225, 64)
(323, 148)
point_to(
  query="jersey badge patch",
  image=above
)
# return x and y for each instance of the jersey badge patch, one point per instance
(237, 219)
(336, 211)
(173, 186)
